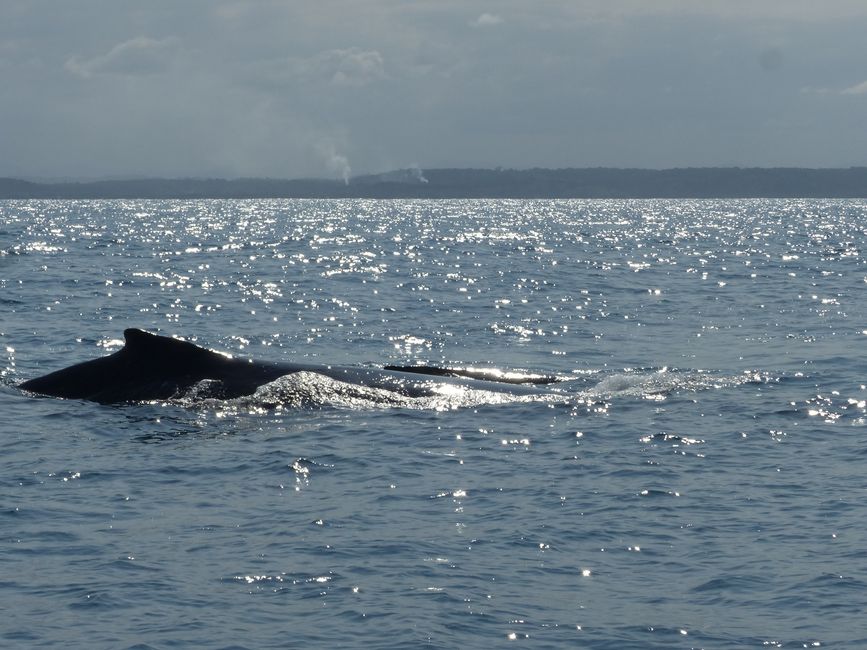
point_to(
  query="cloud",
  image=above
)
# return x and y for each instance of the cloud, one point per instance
(137, 56)
(857, 89)
(816, 90)
(356, 67)
(487, 20)
(802, 11)
(350, 67)
(255, 87)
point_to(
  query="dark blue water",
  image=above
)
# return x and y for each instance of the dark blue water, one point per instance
(698, 481)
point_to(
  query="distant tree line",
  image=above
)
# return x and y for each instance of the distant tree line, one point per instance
(704, 182)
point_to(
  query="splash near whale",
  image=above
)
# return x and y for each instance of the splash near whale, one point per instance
(152, 367)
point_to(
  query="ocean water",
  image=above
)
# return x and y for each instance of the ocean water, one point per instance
(696, 480)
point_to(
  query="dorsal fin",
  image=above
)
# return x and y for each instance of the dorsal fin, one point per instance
(140, 342)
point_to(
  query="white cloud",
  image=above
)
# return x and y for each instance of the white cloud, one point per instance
(349, 67)
(255, 87)
(816, 90)
(137, 56)
(356, 67)
(857, 89)
(487, 20)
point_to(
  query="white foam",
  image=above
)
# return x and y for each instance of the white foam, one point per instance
(313, 390)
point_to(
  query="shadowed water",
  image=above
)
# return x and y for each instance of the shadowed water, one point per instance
(695, 480)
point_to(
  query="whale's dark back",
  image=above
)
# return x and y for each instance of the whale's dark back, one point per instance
(150, 367)
(153, 367)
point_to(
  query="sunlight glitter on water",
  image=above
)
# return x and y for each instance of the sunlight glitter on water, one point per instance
(678, 327)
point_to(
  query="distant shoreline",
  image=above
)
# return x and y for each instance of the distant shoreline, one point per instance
(578, 183)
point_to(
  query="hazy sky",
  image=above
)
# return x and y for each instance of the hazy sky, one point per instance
(97, 88)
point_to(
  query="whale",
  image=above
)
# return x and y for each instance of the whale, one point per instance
(152, 367)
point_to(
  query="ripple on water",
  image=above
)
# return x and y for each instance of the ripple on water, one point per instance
(696, 482)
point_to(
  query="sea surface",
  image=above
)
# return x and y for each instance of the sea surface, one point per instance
(697, 479)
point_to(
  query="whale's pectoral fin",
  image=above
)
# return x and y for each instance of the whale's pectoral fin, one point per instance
(487, 374)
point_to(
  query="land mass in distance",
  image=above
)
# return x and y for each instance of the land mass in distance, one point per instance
(590, 183)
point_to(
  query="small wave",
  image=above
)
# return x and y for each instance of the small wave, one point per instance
(311, 390)
(659, 384)
(29, 248)
(833, 407)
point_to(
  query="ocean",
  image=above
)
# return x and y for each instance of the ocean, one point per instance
(696, 479)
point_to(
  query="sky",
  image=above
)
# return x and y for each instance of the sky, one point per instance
(329, 88)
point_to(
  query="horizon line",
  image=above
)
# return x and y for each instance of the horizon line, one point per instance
(49, 180)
